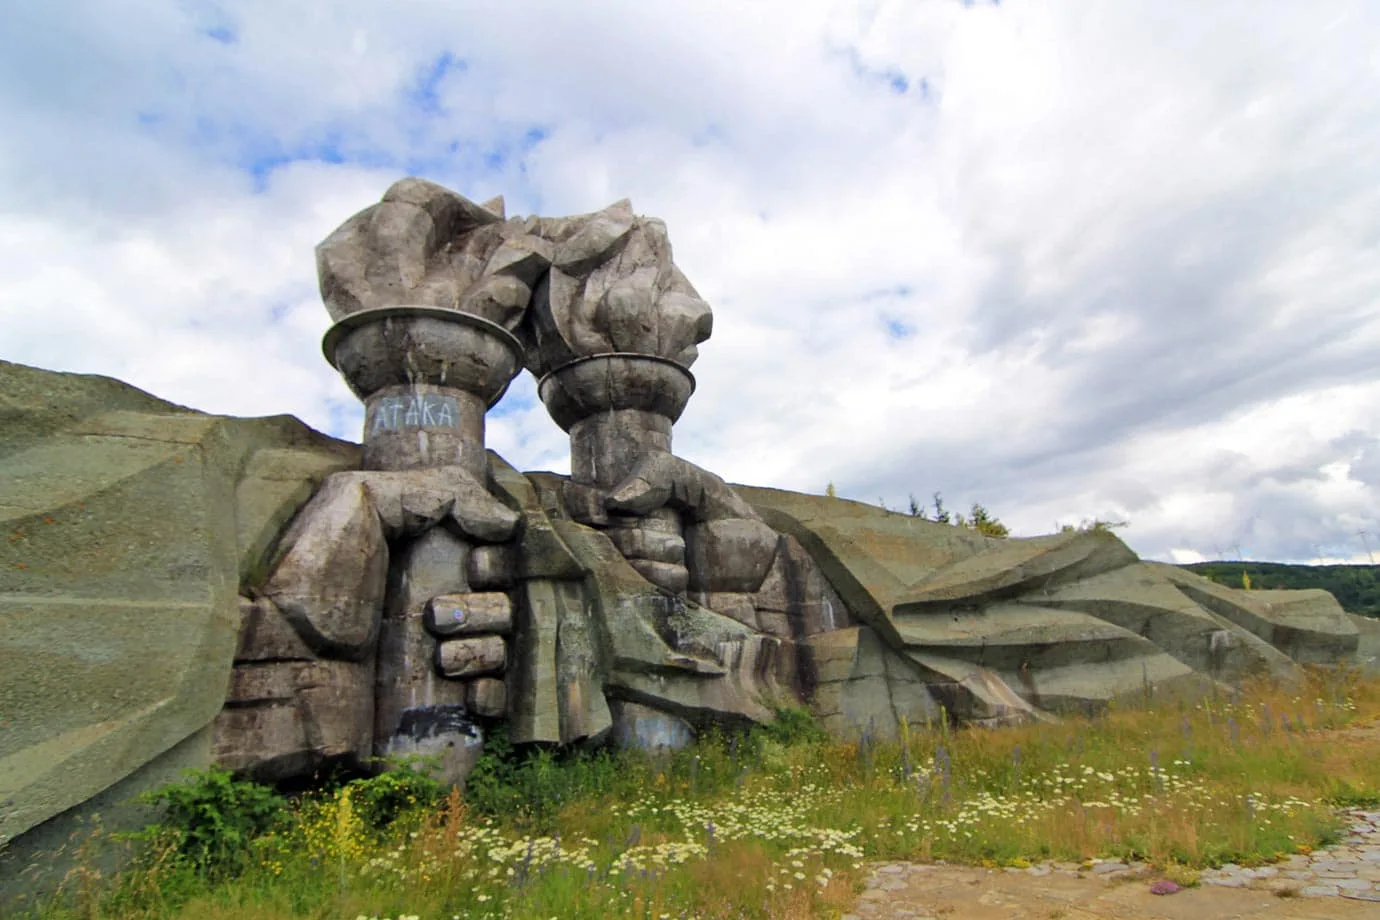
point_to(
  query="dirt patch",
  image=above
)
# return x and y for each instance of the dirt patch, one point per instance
(932, 892)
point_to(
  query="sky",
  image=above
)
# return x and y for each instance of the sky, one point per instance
(1070, 260)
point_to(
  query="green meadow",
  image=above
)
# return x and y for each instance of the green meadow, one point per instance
(776, 822)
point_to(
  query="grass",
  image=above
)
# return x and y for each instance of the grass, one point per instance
(780, 823)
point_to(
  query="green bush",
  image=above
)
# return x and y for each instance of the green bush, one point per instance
(793, 725)
(213, 816)
(532, 784)
(404, 788)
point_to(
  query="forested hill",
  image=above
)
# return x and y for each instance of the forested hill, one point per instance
(1356, 587)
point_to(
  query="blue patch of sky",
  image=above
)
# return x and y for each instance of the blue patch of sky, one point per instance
(466, 164)
(890, 78)
(460, 161)
(259, 153)
(425, 95)
(211, 20)
(501, 154)
(345, 419)
(897, 328)
(521, 397)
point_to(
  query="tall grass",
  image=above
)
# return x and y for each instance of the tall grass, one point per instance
(778, 823)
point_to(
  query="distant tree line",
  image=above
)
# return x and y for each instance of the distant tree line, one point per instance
(1356, 587)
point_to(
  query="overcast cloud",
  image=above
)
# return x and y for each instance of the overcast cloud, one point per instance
(1071, 260)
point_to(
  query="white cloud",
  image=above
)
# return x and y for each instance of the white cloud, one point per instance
(1092, 261)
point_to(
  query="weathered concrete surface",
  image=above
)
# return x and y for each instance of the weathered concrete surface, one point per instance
(487, 697)
(864, 687)
(424, 244)
(287, 712)
(1055, 659)
(1069, 621)
(284, 719)
(138, 517)
(1308, 626)
(613, 287)
(323, 602)
(672, 654)
(471, 656)
(266, 635)
(1142, 600)
(871, 557)
(553, 690)
(330, 581)
(1012, 567)
(275, 483)
(407, 677)
(643, 728)
(1367, 643)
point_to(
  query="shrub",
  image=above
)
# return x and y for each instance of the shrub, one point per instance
(405, 787)
(532, 783)
(793, 725)
(213, 816)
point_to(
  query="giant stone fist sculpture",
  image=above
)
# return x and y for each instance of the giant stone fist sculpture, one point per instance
(406, 568)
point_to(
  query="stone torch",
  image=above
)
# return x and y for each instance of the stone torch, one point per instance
(426, 288)
(615, 327)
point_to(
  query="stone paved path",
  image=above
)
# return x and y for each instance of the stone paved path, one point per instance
(1351, 867)
(1337, 883)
